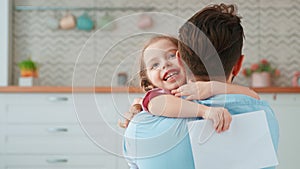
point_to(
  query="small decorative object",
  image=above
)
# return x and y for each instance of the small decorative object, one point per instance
(52, 23)
(261, 73)
(122, 78)
(261, 79)
(145, 21)
(28, 73)
(296, 79)
(84, 22)
(68, 21)
(106, 22)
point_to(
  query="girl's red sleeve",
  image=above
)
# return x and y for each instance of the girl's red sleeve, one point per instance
(150, 95)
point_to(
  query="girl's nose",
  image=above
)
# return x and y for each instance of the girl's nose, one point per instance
(167, 64)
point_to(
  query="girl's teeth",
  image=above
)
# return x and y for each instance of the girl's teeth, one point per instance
(170, 75)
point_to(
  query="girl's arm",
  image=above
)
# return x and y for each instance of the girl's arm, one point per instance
(201, 90)
(171, 106)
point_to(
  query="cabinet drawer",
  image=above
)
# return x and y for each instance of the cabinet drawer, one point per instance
(50, 138)
(49, 130)
(2, 139)
(61, 161)
(22, 113)
(62, 139)
(61, 113)
(2, 113)
(57, 145)
(45, 130)
(281, 99)
(38, 98)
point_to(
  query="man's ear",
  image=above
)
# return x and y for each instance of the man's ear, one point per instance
(237, 67)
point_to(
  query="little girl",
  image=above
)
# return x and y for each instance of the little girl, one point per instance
(162, 74)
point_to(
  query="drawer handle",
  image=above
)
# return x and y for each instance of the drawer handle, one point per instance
(58, 99)
(57, 129)
(57, 160)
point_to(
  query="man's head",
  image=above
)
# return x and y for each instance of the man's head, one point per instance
(215, 27)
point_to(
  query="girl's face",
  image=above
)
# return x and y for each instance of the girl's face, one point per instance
(163, 69)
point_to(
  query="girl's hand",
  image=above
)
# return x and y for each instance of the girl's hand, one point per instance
(133, 110)
(220, 117)
(195, 90)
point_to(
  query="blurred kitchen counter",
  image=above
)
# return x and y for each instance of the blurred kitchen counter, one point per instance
(65, 89)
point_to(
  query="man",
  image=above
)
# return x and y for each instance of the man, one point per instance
(159, 142)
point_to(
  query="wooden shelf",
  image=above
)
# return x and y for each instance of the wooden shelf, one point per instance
(65, 89)
(277, 90)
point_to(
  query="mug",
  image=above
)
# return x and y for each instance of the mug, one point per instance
(106, 22)
(144, 21)
(67, 22)
(52, 23)
(122, 78)
(84, 22)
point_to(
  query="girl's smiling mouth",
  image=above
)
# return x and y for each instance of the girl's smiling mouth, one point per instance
(168, 76)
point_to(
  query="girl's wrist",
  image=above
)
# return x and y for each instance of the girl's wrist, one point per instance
(218, 88)
(206, 114)
(203, 111)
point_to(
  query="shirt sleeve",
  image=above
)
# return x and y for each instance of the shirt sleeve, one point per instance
(150, 95)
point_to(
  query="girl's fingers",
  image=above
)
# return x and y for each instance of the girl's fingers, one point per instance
(191, 97)
(227, 119)
(176, 91)
(216, 123)
(182, 93)
(220, 125)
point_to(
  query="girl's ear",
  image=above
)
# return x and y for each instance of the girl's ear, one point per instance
(177, 54)
(179, 58)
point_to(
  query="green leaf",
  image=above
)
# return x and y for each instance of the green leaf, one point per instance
(27, 65)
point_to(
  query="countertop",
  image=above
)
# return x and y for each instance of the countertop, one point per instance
(65, 89)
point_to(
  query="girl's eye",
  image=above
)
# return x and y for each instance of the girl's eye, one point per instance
(154, 66)
(171, 55)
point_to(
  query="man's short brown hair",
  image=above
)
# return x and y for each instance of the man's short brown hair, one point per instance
(217, 26)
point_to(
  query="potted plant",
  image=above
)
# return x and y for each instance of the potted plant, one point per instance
(261, 73)
(28, 72)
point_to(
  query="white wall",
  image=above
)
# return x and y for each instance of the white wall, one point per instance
(4, 42)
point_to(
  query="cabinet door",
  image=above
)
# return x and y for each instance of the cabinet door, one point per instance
(39, 125)
(60, 161)
(2, 128)
(288, 114)
(49, 139)
(38, 108)
(287, 110)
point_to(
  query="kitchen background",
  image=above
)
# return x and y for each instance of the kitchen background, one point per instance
(271, 30)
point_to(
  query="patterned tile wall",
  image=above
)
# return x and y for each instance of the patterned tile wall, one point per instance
(96, 57)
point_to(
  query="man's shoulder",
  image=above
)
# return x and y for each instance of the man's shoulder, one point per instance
(236, 99)
(145, 124)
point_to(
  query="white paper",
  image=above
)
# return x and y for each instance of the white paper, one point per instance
(246, 145)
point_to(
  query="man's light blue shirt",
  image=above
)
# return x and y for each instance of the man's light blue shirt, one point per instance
(163, 143)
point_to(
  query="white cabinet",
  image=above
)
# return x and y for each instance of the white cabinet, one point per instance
(62, 130)
(287, 110)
